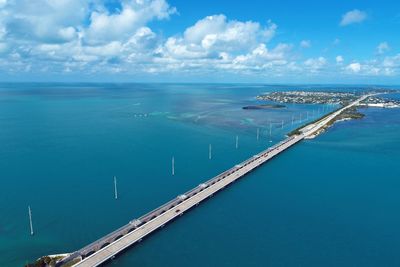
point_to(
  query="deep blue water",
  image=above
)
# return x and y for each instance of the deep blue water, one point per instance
(331, 201)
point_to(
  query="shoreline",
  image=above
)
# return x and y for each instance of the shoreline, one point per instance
(347, 115)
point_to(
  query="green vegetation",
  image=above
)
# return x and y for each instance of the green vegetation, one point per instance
(351, 113)
(69, 264)
(45, 261)
(348, 114)
(308, 97)
(297, 130)
(266, 106)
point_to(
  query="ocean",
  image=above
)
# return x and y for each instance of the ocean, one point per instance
(330, 201)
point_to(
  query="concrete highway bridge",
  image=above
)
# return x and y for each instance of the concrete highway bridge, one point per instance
(108, 246)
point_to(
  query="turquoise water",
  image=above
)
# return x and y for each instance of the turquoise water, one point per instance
(331, 201)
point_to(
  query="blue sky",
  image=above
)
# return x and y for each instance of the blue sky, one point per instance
(282, 41)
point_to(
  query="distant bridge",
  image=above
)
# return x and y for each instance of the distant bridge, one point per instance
(108, 246)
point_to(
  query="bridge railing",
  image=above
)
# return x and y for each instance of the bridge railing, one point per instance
(101, 241)
(167, 206)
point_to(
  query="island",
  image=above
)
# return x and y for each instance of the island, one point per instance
(49, 261)
(265, 106)
(309, 97)
(333, 98)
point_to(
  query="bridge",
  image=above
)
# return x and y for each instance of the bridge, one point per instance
(108, 246)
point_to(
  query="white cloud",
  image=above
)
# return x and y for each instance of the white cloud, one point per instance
(336, 41)
(63, 21)
(261, 55)
(383, 48)
(3, 47)
(389, 66)
(3, 3)
(111, 49)
(354, 16)
(47, 21)
(85, 37)
(105, 27)
(3, 32)
(67, 33)
(213, 35)
(305, 44)
(315, 64)
(215, 43)
(392, 62)
(60, 34)
(354, 67)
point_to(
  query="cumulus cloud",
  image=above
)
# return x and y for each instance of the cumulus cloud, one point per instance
(382, 48)
(80, 34)
(262, 57)
(47, 21)
(354, 16)
(354, 67)
(315, 64)
(336, 41)
(216, 43)
(86, 37)
(3, 3)
(386, 67)
(3, 32)
(105, 26)
(90, 21)
(3, 47)
(213, 35)
(305, 44)
(392, 62)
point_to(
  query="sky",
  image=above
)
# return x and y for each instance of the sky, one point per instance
(256, 41)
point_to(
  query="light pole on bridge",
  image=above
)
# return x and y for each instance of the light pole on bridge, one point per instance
(30, 219)
(115, 188)
(173, 166)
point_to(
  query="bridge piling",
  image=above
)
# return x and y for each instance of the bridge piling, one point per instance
(115, 188)
(30, 220)
(105, 248)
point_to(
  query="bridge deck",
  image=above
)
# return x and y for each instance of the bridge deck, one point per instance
(113, 243)
(142, 231)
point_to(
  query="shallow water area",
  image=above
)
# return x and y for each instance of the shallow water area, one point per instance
(330, 201)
